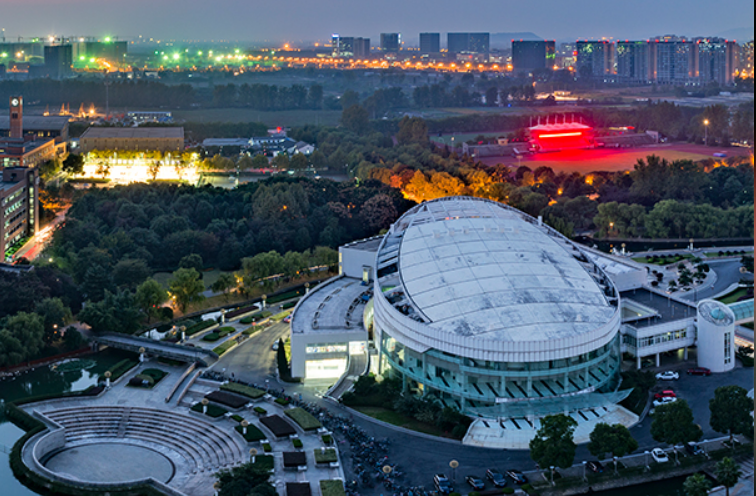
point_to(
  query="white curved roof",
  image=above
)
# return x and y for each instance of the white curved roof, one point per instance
(476, 268)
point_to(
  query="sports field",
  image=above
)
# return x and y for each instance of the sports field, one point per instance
(609, 159)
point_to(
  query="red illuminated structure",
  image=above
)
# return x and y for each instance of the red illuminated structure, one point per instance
(551, 137)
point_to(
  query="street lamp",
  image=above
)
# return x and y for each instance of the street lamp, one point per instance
(706, 131)
(454, 464)
(645, 453)
(204, 402)
(551, 469)
(252, 454)
(585, 463)
(614, 459)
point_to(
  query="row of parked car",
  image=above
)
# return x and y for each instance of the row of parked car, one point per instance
(670, 375)
(444, 485)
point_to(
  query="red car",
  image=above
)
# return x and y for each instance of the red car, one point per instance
(699, 371)
(665, 394)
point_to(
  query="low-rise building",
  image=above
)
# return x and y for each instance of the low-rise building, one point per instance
(163, 139)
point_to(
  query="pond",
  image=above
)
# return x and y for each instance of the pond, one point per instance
(69, 375)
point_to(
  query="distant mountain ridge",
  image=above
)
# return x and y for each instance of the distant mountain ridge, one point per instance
(504, 40)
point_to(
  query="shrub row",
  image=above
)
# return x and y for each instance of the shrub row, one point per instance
(251, 330)
(221, 349)
(290, 304)
(303, 419)
(286, 295)
(247, 391)
(296, 442)
(241, 311)
(200, 326)
(257, 317)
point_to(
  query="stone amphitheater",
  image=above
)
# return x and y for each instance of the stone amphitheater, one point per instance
(129, 434)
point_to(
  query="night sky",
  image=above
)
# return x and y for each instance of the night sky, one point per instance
(311, 20)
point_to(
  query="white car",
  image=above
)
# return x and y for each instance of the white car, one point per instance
(659, 455)
(664, 401)
(667, 376)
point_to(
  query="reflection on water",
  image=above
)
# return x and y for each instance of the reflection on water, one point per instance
(69, 375)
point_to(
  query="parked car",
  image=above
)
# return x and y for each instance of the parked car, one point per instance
(693, 449)
(699, 371)
(595, 466)
(667, 376)
(667, 393)
(442, 483)
(664, 401)
(475, 482)
(496, 477)
(275, 346)
(287, 319)
(517, 476)
(659, 455)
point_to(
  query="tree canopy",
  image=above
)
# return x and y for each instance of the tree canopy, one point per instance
(553, 444)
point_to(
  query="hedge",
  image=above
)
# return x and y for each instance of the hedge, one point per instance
(251, 330)
(286, 296)
(304, 419)
(213, 411)
(241, 311)
(267, 447)
(282, 401)
(289, 304)
(211, 337)
(260, 411)
(225, 331)
(238, 418)
(199, 327)
(247, 391)
(297, 443)
(253, 433)
(332, 488)
(264, 462)
(327, 439)
(119, 369)
(221, 349)
(327, 455)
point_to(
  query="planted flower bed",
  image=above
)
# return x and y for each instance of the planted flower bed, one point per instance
(253, 433)
(278, 426)
(303, 419)
(230, 400)
(247, 391)
(327, 455)
(332, 488)
(213, 411)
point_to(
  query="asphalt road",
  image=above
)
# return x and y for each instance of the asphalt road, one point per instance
(728, 272)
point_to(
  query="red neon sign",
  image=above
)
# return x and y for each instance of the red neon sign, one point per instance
(560, 135)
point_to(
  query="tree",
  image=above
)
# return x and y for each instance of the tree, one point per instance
(283, 364)
(186, 287)
(260, 161)
(614, 440)
(412, 130)
(73, 164)
(553, 444)
(245, 480)
(673, 424)
(149, 296)
(355, 119)
(298, 162)
(727, 473)
(54, 315)
(116, 312)
(223, 284)
(280, 161)
(130, 272)
(696, 485)
(21, 337)
(731, 411)
(192, 261)
(72, 339)
(492, 94)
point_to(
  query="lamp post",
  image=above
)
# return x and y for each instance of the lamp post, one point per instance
(107, 379)
(674, 448)
(216, 486)
(454, 464)
(244, 425)
(204, 402)
(264, 299)
(141, 354)
(614, 459)
(252, 454)
(645, 453)
(386, 470)
(706, 132)
(585, 463)
(551, 469)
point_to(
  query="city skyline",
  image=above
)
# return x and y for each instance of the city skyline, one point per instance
(234, 20)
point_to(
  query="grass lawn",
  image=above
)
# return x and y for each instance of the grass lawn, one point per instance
(221, 349)
(253, 433)
(303, 418)
(280, 316)
(270, 117)
(213, 411)
(247, 391)
(733, 296)
(395, 418)
(327, 455)
(662, 261)
(332, 488)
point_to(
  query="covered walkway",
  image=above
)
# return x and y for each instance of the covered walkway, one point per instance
(159, 348)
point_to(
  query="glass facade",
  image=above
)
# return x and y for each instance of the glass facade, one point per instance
(505, 389)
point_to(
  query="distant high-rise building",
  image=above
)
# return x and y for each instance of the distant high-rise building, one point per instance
(633, 61)
(468, 42)
(430, 43)
(716, 60)
(58, 60)
(746, 59)
(594, 59)
(114, 52)
(390, 42)
(335, 42)
(674, 61)
(349, 46)
(532, 55)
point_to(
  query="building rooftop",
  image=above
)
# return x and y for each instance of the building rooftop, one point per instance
(367, 244)
(19, 143)
(476, 268)
(36, 123)
(133, 132)
(666, 309)
(334, 306)
(611, 264)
